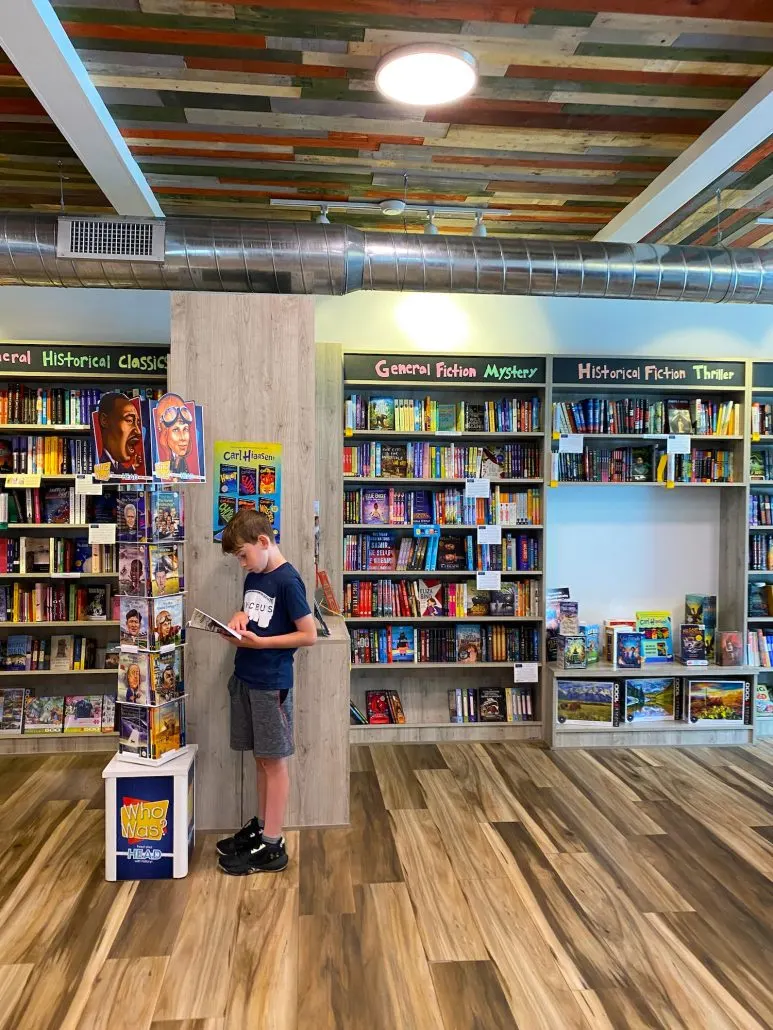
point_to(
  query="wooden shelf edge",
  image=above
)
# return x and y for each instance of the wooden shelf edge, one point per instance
(440, 732)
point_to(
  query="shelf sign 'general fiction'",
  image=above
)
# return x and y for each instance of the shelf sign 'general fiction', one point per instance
(648, 372)
(438, 368)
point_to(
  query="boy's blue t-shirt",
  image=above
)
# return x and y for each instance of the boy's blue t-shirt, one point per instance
(274, 601)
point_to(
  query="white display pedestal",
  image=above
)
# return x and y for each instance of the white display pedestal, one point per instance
(149, 817)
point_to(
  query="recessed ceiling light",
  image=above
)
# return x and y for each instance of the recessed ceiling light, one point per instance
(426, 74)
(392, 207)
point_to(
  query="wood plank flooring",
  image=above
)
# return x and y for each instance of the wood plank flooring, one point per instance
(479, 887)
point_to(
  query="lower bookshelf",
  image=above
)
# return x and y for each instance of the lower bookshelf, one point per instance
(439, 732)
(56, 743)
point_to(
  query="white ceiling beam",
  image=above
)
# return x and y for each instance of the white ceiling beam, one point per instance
(729, 139)
(33, 37)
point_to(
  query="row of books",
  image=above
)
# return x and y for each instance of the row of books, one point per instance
(427, 598)
(21, 711)
(152, 516)
(53, 602)
(146, 570)
(465, 644)
(761, 552)
(760, 510)
(150, 679)
(383, 551)
(644, 415)
(47, 555)
(55, 505)
(760, 600)
(409, 415)
(420, 460)
(761, 464)
(55, 405)
(599, 704)
(383, 707)
(762, 418)
(630, 645)
(491, 704)
(759, 648)
(446, 507)
(47, 455)
(67, 652)
(637, 464)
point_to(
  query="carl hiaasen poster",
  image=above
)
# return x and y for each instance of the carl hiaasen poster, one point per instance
(247, 475)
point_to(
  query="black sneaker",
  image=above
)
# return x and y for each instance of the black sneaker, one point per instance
(248, 837)
(262, 858)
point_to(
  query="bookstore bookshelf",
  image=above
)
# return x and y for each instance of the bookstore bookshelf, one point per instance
(58, 585)
(759, 595)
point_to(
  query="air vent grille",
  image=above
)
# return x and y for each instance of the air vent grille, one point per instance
(116, 239)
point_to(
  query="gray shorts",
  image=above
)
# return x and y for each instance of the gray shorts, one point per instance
(261, 720)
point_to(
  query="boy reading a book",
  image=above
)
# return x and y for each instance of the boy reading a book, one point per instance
(274, 622)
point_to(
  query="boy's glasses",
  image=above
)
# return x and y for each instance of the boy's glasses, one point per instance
(170, 415)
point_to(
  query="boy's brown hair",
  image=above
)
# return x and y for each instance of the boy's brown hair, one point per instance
(245, 528)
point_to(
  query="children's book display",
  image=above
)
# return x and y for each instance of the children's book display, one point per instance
(151, 685)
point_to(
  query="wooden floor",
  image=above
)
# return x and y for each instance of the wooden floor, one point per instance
(480, 887)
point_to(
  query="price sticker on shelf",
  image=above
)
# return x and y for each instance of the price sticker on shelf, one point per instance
(670, 484)
(570, 443)
(348, 431)
(489, 581)
(84, 484)
(554, 482)
(525, 672)
(489, 534)
(556, 435)
(447, 432)
(474, 487)
(102, 533)
(65, 575)
(755, 437)
(678, 443)
(23, 480)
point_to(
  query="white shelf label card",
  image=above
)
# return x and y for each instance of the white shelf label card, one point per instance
(570, 443)
(489, 581)
(678, 443)
(84, 484)
(525, 672)
(102, 533)
(489, 534)
(475, 487)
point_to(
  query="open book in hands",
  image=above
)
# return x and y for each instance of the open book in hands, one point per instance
(200, 620)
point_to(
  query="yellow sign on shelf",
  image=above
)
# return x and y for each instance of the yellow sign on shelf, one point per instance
(755, 437)
(669, 484)
(23, 479)
(554, 482)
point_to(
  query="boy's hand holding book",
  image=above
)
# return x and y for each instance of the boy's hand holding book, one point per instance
(239, 622)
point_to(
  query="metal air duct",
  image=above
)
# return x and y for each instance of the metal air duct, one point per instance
(223, 255)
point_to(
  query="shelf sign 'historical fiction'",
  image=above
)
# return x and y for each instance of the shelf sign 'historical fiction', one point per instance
(602, 372)
(439, 368)
(82, 359)
(246, 475)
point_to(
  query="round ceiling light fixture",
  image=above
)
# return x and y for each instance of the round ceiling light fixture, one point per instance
(426, 74)
(392, 207)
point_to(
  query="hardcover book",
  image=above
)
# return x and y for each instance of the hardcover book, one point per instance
(394, 461)
(96, 603)
(716, 701)
(478, 601)
(758, 600)
(375, 507)
(62, 651)
(641, 464)
(503, 600)
(381, 414)
(628, 650)
(729, 647)
(446, 418)
(657, 644)
(11, 710)
(649, 700)
(422, 507)
(474, 418)
(17, 652)
(430, 596)
(679, 419)
(377, 707)
(554, 597)
(571, 652)
(43, 714)
(592, 634)
(492, 704)
(693, 644)
(396, 707)
(701, 609)
(469, 644)
(83, 713)
(56, 505)
(167, 521)
(403, 643)
(452, 553)
(585, 702)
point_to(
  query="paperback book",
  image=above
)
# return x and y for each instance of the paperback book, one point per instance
(729, 647)
(165, 562)
(693, 643)
(381, 414)
(134, 679)
(375, 507)
(167, 522)
(568, 618)
(628, 650)
(209, 624)
(592, 634)
(492, 704)
(469, 644)
(403, 644)
(571, 653)
(377, 707)
(701, 609)
(131, 517)
(554, 598)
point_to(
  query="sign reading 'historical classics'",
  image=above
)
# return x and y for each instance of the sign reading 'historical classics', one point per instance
(438, 368)
(82, 359)
(647, 372)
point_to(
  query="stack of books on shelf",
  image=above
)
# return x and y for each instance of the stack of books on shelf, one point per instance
(46, 455)
(760, 510)
(56, 602)
(762, 418)
(428, 598)
(761, 552)
(57, 506)
(382, 708)
(409, 415)
(420, 460)
(151, 692)
(26, 712)
(761, 465)
(632, 415)
(54, 405)
(385, 552)
(643, 465)
(446, 507)
(491, 704)
(463, 644)
(67, 652)
(51, 555)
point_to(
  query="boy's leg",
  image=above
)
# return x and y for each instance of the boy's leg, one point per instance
(276, 777)
(262, 784)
